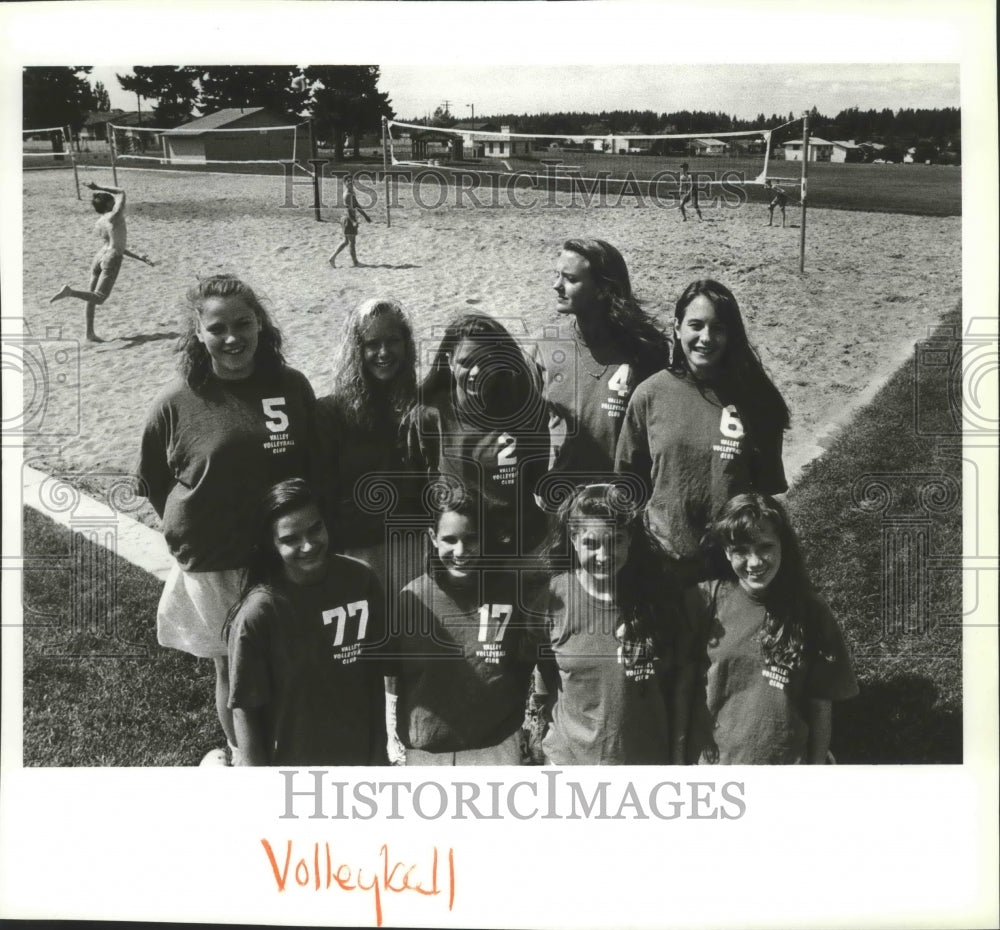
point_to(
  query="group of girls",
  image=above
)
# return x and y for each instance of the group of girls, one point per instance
(599, 515)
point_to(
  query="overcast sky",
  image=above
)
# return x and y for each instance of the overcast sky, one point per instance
(738, 90)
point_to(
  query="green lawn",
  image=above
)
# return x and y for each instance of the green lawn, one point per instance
(103, 692)
(926, 190)
(894, 476)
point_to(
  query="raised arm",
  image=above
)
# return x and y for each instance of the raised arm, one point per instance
(116, 192)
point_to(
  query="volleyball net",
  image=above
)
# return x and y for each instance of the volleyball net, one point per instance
(47, 148)
(654, 163)
(250, 150)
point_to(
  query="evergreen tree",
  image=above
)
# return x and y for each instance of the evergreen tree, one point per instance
(56, 97)
(273, 86)
(173, 88)
(345, 100)
(102, 102)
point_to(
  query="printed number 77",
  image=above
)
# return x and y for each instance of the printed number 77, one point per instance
(340, 615)
(502, 612)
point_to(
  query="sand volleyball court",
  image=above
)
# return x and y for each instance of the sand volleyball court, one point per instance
(874, 284)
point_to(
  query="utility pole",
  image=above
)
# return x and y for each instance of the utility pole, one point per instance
(472, 106)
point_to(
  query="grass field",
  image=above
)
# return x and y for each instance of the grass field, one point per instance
(143, 705)
(924, 190)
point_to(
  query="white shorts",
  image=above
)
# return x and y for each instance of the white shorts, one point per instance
(506, 753)
(193, 610)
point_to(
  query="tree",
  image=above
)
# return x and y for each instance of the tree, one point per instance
(102, 102)
(345, 100)
(273, 86)
(173, 88)
(56, 97)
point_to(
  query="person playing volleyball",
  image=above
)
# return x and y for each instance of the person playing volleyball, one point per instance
(349, 223)
(689, 192)
(110, 226)
(778, 199)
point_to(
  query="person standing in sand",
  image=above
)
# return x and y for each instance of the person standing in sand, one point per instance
(689, 192)
(778, 199)
(110, 226)
(349, 223)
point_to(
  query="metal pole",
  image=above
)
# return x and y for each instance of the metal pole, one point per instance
(111, 143)
(72, 158)
(385, 168)
(805, 164)
(317, 196)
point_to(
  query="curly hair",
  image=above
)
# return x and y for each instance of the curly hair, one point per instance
(640, 585)
(786, 638)
(630, 327)
(195, 362)
(364, 400)
(742, 376)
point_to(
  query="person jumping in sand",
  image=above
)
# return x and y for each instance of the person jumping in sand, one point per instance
(349, 223)
(689, 192)
(778, 199)
(110, 226)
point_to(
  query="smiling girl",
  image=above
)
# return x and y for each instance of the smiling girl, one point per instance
(772, 655)
(610, 629)
(303, 644)
(465, 659)
(359, 423)
(708, 427)
(237, 421)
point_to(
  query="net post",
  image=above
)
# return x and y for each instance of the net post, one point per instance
(805, 163)
(385, 168)
(315, 162)
(72, 158)
(111, 144)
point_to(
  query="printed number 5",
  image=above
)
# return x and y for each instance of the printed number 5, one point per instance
(501, 612)
(340, 615)
(731, 425)
(277, 419)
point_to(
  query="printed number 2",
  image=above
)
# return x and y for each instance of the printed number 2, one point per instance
(340, 615)
(619, 380)
(501, 612)
(277, 419)
(731, 425)
(508, 450)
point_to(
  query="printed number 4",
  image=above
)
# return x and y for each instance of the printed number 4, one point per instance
(340, 615)
(501, 612)
(619, 380)
(277, 419)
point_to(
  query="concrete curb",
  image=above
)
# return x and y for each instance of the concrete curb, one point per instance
(54, 498)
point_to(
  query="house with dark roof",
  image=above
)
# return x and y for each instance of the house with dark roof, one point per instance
(228, 135)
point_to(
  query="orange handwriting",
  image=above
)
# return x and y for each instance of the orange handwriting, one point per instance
(319, 871)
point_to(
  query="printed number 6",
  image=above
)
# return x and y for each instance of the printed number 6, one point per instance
(277, 419)
(731, 425)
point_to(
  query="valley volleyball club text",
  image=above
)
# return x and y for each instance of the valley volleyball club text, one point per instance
(312, 794)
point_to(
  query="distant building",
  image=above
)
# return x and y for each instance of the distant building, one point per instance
(710, 147)
(192, 143)
(488, 139)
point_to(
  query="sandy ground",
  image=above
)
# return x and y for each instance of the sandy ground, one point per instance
(874, 284)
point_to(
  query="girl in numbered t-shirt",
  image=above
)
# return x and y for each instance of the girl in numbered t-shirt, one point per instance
(482, 426)
(708, 427)
(591, 372)
(465, 659)
(237, 421)
(611, 630)
(304, 644)
(771, 655)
